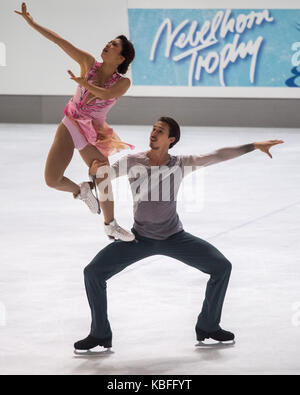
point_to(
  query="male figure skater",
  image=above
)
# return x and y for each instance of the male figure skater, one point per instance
(158, 231)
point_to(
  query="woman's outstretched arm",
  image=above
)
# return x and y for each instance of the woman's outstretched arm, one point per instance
(83, 58)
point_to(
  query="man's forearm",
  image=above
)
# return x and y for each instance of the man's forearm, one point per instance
(217, 156)
(233, 152)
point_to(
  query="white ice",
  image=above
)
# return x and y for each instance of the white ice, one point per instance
(249, 209)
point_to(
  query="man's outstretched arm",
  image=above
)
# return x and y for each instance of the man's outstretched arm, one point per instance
(227, 153)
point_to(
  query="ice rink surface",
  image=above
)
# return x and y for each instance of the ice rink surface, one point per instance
(248, 207)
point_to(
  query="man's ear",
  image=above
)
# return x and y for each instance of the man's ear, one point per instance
(172, 139)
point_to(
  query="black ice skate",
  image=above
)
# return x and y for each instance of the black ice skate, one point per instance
(219, 335)
(91, 342)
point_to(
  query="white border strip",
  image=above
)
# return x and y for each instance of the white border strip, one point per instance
(216, 92)
(205, 4)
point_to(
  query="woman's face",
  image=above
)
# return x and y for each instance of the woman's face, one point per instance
(112, 51)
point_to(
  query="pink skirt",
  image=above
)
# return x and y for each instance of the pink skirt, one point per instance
(104, 139)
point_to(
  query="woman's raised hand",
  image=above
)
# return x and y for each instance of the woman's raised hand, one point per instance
(80, 80)
(24, 13)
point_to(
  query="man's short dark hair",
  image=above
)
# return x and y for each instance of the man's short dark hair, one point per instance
(173, 127)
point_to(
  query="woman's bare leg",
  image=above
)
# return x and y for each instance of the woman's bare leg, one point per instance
(59, 157)
(89, 154)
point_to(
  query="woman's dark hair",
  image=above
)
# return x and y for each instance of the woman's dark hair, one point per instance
(174, 129)
(128, 52)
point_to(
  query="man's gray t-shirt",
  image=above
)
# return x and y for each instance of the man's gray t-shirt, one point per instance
(155, 188)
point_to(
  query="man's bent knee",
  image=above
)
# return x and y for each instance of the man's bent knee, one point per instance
(222, 266)
(90, 271)
(226, 266)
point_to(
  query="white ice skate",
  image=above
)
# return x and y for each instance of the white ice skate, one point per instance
(86, 195)
(114, 231)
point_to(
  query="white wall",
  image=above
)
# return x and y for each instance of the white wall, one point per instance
(35, 65)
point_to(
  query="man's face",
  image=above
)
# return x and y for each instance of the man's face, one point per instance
(159, 137)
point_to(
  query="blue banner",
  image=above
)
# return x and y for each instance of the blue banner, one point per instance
(216, 48)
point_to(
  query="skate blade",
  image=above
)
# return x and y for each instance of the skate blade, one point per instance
(215, 344)
(89, 353)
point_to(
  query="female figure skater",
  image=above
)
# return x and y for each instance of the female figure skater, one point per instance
(84, 126)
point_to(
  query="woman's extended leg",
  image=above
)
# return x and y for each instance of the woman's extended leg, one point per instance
(89, 154)
(59, 157)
